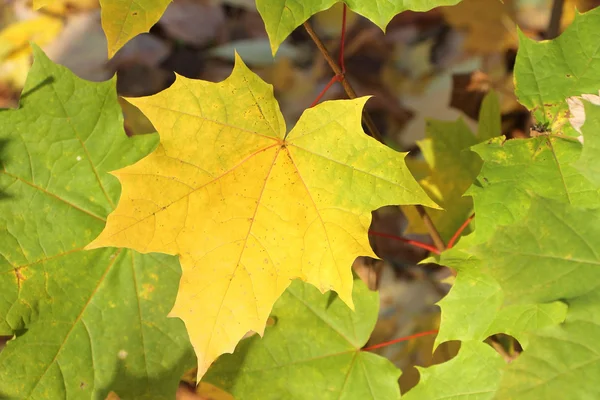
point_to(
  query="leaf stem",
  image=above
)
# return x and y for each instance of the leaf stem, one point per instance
(402, 339)
(460, 230)
(333, 80)
(415, 243)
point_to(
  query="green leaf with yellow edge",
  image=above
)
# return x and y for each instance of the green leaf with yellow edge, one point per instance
(548, 72)
(474, 374)
(124, 19)
(281, 17)
(248, 207)
(312, 351)
(86, 322)
(452, 168)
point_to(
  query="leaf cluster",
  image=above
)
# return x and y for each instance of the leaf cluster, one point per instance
(227, 222)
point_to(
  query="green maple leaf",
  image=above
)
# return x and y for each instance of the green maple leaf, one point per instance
(548, 72)
(472, 374)
(534, 248)
(547, 256)
(281, 17)
(86, 322)
(452, 168)
(519, 278)
(313, 350)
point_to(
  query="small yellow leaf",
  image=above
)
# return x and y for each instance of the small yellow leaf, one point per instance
(248, 207)
(124, 19)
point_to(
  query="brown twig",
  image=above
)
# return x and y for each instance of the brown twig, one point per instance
(554, 24)
(431, 229)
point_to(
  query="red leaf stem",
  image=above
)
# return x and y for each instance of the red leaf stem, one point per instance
(333, 80)
(460, 230)
(336, 78)
(415, 243)
(402, 339)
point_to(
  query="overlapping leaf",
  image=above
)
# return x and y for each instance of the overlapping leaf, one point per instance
(247, 206)
(281, 17)
(124, 19)
(453, 168)
(312, 351)
(87, 322)
(536, 240)
(551, 255)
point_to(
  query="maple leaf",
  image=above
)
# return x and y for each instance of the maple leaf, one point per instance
(452, 168)
(547, 256)
(123, 19)
(281, 17)
(536, 231)
(86, 322)
(328, 355)
(248, 207)
(473, 374)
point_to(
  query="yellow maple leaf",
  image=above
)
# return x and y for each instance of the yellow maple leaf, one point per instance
(247, 207)
(125, 19)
